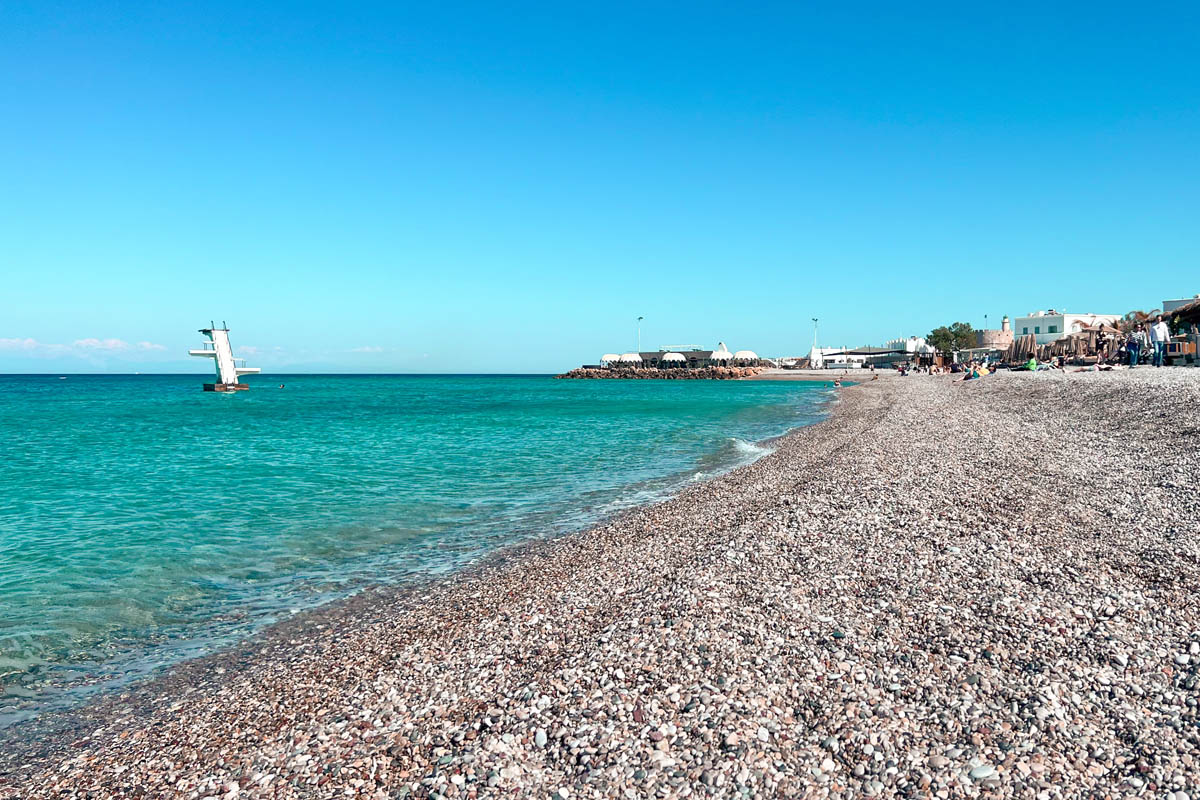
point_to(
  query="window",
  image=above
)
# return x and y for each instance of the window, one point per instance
(1025, 329)
(1037, 329)
(1053, 329)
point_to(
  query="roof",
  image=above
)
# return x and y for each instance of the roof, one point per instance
(630, 358)
(746, 354)
(610, 357)
(1189, 312)
(674, 357)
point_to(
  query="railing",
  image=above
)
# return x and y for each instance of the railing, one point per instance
(206, 346)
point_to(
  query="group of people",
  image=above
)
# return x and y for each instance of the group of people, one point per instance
(1145, 342)
(975, 370)
(1150, 339)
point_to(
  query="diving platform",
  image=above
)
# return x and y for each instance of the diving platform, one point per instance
(229, 370)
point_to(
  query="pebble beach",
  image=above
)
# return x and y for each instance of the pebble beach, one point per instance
(945, 589)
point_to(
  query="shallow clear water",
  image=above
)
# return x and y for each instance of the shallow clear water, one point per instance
(143, 520)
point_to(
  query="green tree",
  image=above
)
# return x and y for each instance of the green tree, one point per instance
(941, 339)
(947, 339)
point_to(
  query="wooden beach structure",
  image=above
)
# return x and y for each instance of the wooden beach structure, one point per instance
(1093, 343)
(1184, 347)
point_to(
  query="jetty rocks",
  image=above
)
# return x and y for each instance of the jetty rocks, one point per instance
(633, 373)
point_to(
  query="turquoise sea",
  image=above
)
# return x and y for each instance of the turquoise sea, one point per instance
(143, 521)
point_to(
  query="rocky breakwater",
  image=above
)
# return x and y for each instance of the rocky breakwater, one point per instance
(945, 590)
(631, 373)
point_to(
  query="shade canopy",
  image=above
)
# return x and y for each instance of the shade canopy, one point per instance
(630, 358)
(608, 358)
(746, 355)
(674, 357)
(1187, 313)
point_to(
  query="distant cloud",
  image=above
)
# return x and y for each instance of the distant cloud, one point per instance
(247, 350)
(90, 348)
(366, 349)
(101, 344)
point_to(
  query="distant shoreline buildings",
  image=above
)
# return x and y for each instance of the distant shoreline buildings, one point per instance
(1052, 331)
(679, 357)
(1050, 326)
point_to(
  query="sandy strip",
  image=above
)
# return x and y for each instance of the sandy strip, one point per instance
(946, 589)
(827, 375)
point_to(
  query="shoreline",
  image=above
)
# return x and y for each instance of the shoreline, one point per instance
(144, 683)
(771, 629)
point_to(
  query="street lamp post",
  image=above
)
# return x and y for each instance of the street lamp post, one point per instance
(639, 330)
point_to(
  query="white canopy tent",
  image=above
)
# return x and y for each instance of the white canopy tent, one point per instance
(721, 353)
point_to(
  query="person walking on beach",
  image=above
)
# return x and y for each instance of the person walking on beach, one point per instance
(1160, 334)
(1133, 345)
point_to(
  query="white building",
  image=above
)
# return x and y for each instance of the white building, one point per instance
(1170, 305)
(911, 344)
(834, 358)
(1049, 326)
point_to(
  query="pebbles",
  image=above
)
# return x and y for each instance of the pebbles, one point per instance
(1011, 563)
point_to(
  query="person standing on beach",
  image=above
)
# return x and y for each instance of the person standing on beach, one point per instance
(1160, 334)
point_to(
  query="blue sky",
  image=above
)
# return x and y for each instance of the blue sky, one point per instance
(506, 187)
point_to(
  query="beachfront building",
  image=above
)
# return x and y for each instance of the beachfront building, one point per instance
(1050, 326)
(1169, 306)
(995, 339)
(913, 345)
(1184, 318)
(835, 358)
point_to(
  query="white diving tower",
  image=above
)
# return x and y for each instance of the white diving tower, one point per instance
(229, 369)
